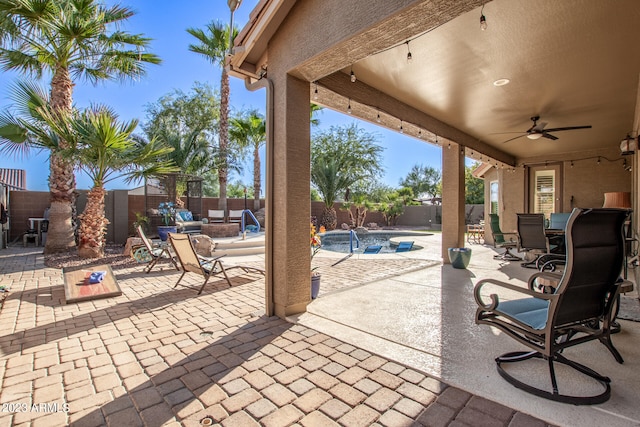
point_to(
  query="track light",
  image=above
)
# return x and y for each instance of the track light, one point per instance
(353, 76)
(483, 20)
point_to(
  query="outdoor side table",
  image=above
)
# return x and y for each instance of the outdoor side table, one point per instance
(77, 287)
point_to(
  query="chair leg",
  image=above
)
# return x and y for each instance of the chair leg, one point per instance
(531, 264)
(224, 272)
(181, 276)
(554, 395)
(507, 255)
(153, 262)
(204, 284)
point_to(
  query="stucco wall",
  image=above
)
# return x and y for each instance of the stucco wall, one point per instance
(584, 183)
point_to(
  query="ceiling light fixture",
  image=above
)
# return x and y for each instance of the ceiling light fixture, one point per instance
(535, 135)
(483, 20)
(353, 75)
(501, 82)
(409, 56)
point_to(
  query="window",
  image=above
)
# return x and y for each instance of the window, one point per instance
(493, 196)
(545, 189)
(544, 196)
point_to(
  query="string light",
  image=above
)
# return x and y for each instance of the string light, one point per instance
(571, 163)
(353, 75)
(449, 147)
(483, 20)
(315, 92)
(598, 160)
(349, 107)
(401, 128)
(409, 56)
(437, 143)
(378, 118)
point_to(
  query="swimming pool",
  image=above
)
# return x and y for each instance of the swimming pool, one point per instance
(338, 241)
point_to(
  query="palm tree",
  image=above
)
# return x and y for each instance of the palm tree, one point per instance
(250, 131)
(69, 40)
(106, 149)
(94, 141)
(341, 157)
(214, 46)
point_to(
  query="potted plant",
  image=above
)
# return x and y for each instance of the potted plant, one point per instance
(167, 211)
(316, 243)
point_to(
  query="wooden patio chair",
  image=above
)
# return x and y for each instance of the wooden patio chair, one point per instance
(192, 262)
(155, 251)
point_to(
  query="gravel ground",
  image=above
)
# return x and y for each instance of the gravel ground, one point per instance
(113, 256)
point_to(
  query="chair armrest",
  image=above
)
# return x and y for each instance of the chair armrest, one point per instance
(494, 297)
(210, 258)
(533, 280)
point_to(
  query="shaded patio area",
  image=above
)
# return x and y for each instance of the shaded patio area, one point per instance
(163, 356)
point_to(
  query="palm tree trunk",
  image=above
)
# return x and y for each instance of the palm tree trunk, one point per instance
(223, 139)
(62, 182)
(256, 179)
(329, 218)
(93, 225)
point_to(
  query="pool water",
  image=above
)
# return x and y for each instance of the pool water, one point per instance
(339, 241)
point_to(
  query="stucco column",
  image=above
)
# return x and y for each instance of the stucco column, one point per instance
(452, 198)
(290, 262)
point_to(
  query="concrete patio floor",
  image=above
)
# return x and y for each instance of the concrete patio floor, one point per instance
(161, 356)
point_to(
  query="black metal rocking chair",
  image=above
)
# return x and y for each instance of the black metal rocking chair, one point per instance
(576, 309)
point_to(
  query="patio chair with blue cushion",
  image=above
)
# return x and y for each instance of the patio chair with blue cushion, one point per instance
(578, 308)
(192, 262)
(404, 246)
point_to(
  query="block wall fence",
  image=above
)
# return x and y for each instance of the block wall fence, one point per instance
(121, 208)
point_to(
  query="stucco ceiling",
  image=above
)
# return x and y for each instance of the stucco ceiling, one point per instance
(572, 62)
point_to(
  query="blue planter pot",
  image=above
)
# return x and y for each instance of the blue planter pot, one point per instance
(459, 257)
(163, 231)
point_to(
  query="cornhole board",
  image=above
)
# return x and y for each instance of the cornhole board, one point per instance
(77, 287)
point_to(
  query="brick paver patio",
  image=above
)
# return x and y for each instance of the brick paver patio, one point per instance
(162, 356)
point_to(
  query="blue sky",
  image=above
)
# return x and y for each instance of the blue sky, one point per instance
(166, 23)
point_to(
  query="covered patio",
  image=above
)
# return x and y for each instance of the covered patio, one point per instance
(427, 69)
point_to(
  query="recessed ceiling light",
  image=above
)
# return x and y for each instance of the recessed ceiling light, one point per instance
(501, 82)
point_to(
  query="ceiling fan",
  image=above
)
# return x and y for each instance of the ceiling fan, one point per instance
(538, 131)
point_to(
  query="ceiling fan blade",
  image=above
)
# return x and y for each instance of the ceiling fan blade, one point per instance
(515, 137)
(504, 133)
(567, 128)
(549, 136)
(538, 128)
